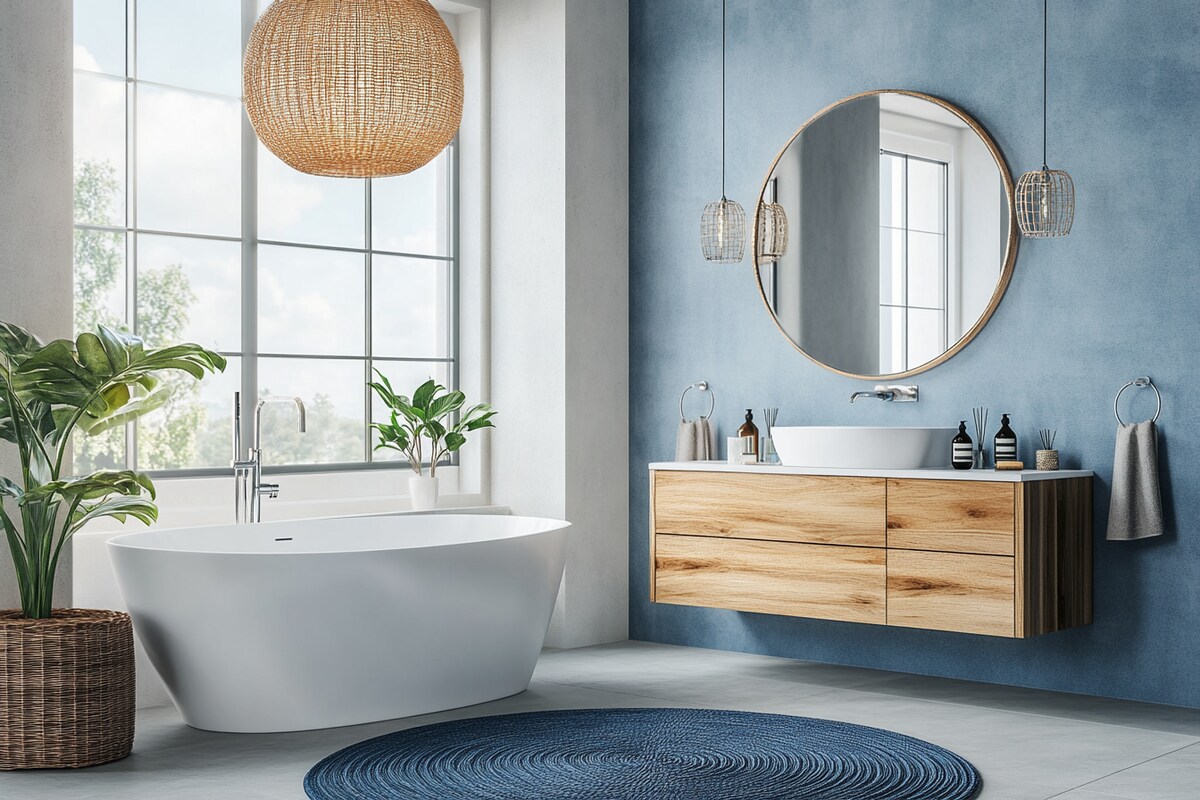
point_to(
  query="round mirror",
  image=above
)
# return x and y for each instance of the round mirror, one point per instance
(885, 234)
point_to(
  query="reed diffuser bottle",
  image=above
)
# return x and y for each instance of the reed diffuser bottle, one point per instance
(981, 417)
(767, 452)
(1047, 457)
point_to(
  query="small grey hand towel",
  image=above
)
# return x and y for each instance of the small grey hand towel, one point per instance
(1136, 508)
(695, 441)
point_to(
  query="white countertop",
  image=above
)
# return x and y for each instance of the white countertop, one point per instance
(1000, 476)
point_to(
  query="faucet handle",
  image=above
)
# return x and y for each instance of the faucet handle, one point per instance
(900, 393)
(268, 490)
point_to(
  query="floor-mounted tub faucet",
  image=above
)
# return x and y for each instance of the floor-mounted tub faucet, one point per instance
(249, 488)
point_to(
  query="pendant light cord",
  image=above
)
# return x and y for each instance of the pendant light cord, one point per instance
(1045, 83)
(723, 2)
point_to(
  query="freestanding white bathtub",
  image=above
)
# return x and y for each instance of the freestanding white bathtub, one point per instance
(288, 626)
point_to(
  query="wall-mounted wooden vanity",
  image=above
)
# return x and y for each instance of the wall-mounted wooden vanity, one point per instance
(995, 553)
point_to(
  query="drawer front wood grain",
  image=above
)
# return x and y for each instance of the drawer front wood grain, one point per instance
(951, 592)
(800, 580)
(790, 508)
(951, 516)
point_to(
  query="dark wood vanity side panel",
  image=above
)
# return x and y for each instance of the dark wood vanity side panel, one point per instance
(1054, 569)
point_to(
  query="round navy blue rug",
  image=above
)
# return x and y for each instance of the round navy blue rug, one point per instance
(643, 754)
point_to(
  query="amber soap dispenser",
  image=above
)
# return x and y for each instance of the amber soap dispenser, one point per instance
(750, 431)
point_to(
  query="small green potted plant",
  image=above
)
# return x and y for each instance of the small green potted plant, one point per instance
(434, 416)
(73, 668)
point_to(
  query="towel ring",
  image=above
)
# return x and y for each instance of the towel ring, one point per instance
(703, 387)
(1140, 383)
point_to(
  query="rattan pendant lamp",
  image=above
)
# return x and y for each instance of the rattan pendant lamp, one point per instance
(1045, 197)
(353, 88)
(772, 232)
(723, 224)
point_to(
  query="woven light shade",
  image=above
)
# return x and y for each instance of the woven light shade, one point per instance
(723, 231)
(772, 233)
(358, 89)
(1045, 203)
(1045, 197)
(723, 224)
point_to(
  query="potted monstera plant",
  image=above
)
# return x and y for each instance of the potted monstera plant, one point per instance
(68, 673)
(433, 416)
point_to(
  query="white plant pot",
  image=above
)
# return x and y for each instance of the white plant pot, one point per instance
(423, 492)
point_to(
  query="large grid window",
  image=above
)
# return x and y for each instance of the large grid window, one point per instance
(187, 229)
(913, 276)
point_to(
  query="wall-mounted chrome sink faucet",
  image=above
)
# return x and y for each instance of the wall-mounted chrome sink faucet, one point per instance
(249, 488)
(891, 394)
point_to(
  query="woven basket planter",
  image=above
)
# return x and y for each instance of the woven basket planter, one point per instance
(66, 689)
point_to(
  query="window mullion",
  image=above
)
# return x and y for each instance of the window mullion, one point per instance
(131, 243)
(249, 152)
(368, 340)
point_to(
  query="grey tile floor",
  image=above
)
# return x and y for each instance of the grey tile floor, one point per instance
(1029, 745)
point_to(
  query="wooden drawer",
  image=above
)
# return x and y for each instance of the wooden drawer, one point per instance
(800, 580)
(951, 516)
(951, 592)
(789, 508)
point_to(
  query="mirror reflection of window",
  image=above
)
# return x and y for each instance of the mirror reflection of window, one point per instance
(913, 234)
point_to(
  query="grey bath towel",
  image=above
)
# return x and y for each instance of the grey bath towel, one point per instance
(696, 441)
(1136, 508)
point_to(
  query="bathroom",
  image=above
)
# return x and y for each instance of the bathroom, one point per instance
(548, 263)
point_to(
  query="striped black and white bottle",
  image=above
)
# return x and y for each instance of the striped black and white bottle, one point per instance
(960, 457)
(1006, 442)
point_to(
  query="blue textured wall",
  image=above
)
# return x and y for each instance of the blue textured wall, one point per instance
(1119, 297)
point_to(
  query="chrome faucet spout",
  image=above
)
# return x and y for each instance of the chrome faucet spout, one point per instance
(885, 396)
(891, 394)
(300, 412)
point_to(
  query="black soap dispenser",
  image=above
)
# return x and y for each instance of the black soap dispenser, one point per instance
(961, 449)
(1006, 441)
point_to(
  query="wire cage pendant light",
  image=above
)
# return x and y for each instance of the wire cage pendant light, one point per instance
(1045, 198)
(353, 89)
(772, 233)
(723, 223)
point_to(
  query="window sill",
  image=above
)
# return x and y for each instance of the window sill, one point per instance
(186, 502)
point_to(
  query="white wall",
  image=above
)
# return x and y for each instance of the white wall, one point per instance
(596, 595)
(528, 291)
(35, 196)
(560, 300)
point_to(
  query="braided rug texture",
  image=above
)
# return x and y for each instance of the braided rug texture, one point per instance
(643, 754)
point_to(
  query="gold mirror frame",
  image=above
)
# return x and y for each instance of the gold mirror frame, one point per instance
(1010, 253)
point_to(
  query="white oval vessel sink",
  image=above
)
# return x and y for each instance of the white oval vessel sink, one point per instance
(863, 448)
